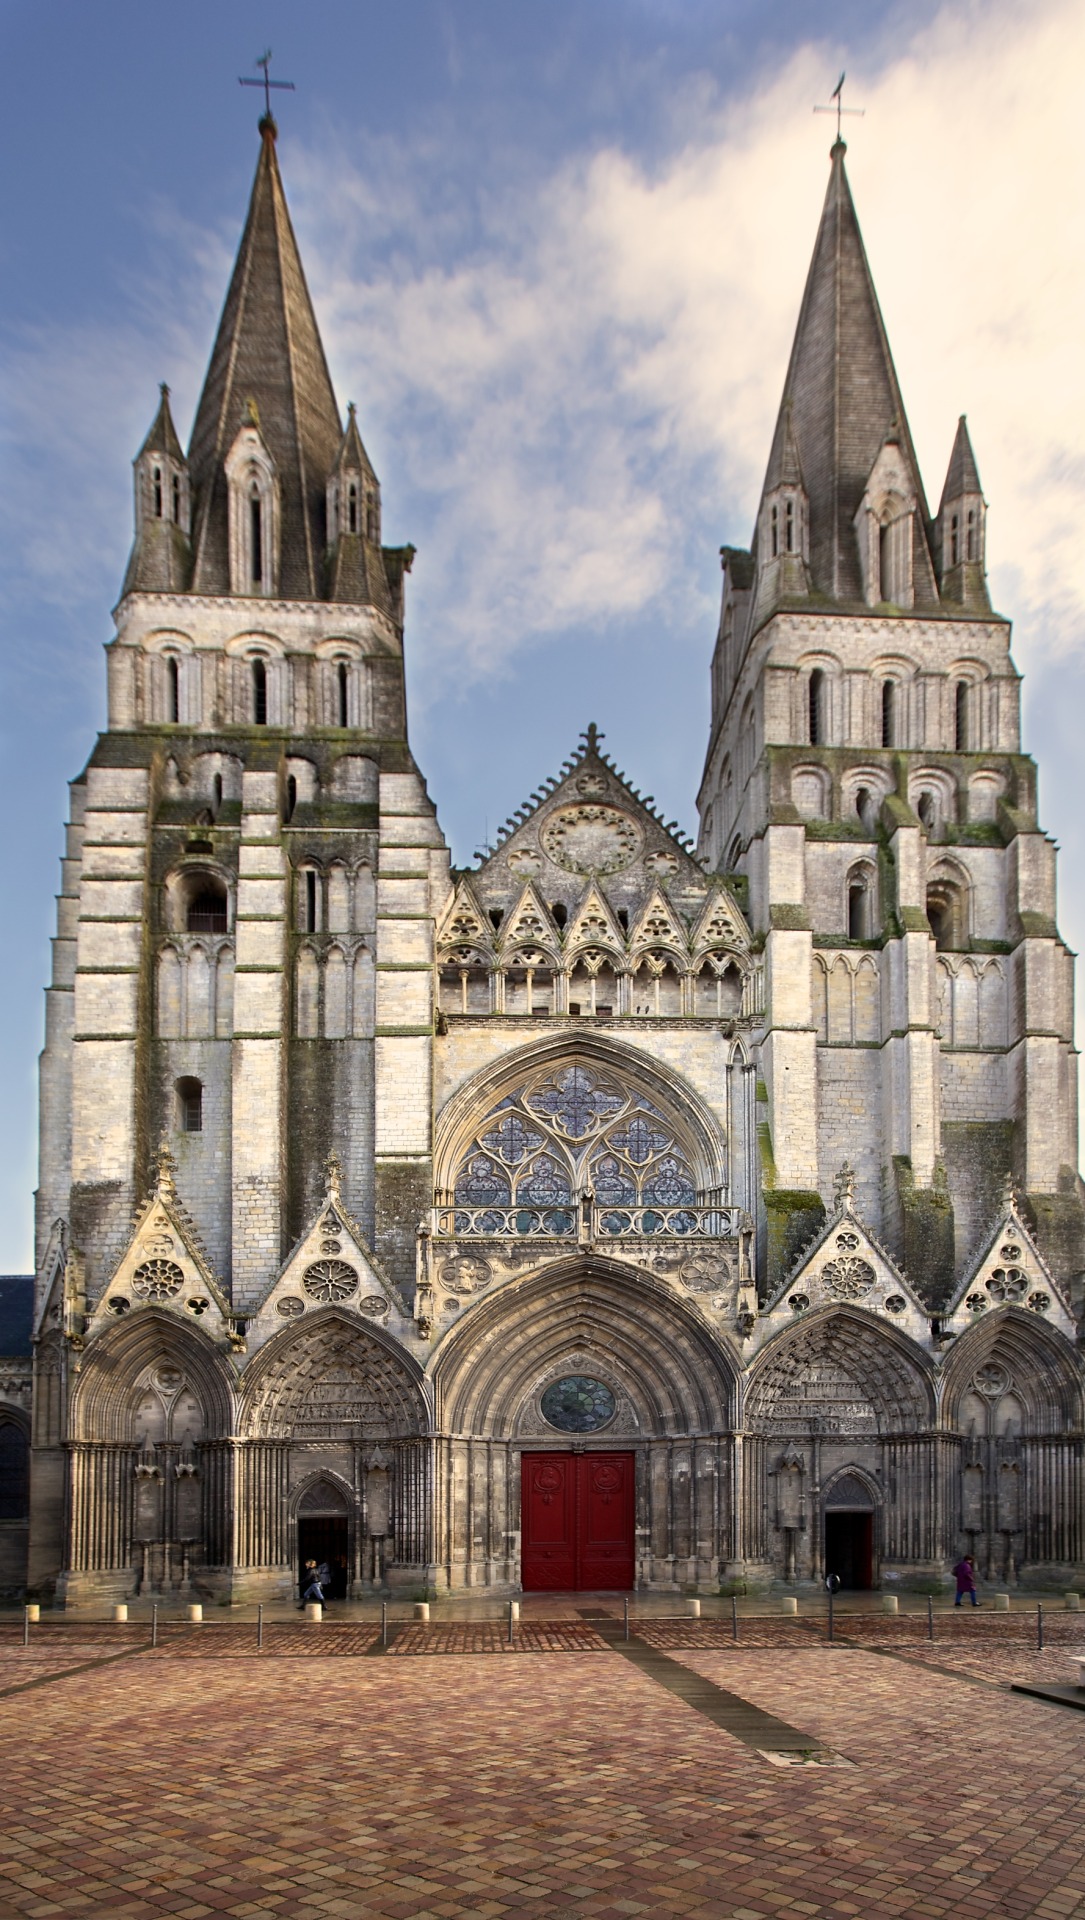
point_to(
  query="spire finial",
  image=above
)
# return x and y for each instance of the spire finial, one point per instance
(591, 737)
(1008, 1197)
(163, 390)
(839, 144)
(267, 120)
(164, 1168)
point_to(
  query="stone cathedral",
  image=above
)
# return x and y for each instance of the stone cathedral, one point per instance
(622, 1212)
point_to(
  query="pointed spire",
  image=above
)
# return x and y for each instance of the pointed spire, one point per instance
(268, 351)
(963, 474)
(161, 556)
(162, 437)
(842, 401)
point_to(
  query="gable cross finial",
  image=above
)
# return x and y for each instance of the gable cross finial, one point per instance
(592, 736)
(844, 1187)
(840, 109)
(1008, 1196)
(164, 1167)
(333, 1176)
(263, 61)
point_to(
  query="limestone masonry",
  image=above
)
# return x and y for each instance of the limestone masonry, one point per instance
(617, 1212)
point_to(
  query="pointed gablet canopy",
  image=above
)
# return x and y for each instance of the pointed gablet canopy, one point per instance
(962, 476)
(268, 350)
(841, 400)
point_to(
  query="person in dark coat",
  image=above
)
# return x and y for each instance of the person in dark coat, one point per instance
(965, 1575)
(311, 1588)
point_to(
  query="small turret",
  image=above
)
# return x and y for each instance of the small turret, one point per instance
(962, 530)
(356, 574)
(161, 553)
(783, 525)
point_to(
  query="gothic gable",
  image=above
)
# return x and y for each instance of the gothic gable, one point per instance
(1009, 1271)
(846, 1266)
(165, 1266)
(330, 1266)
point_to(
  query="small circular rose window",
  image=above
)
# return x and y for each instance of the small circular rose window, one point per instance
(329, 1280)
(578, 1405)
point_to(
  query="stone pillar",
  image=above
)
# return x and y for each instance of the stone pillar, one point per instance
(260, 1000)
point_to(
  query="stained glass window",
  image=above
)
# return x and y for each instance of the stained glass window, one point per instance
(577, 1404)
(570, 1130)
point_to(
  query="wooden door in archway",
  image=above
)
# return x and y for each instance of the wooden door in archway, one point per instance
(576, 1518)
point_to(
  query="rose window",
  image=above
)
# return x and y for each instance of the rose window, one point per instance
(1007, 1283)
(157, 1280)
(849, 1278)
(578, 1405)
(329, 1280)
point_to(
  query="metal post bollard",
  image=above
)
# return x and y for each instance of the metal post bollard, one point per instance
(830, 1613)
(625, 1616)
(930, 1617)
(1039, 1627)
(384, 1623)
(154, 1624)
(734, 1617)
(26, 1626)
(260, 1627)
(510, 1624)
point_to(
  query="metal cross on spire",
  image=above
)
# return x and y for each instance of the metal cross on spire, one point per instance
(840, 109)
(284, 86)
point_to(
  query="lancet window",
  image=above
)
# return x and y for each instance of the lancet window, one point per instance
(572, 1131)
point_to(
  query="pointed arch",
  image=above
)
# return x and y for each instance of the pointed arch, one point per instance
(1039, 1365)
(843, 1366)
(104, 1400)
(369, 1387)
(674, 1375)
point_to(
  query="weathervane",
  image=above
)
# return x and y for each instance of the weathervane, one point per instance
(840, 109)
(284, 86)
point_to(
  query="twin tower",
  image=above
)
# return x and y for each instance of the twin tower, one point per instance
(619, 1211)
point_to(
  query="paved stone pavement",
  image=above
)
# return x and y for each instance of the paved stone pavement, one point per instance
(569, 1784)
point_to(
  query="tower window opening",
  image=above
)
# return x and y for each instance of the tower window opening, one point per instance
(789, 526)
(372, 521)
(970, 536)
(889, 713)
(259, 693)
(954, 539)
(352, 507)
(864, 806)
(256, 536)
(207, 909)
(859, 916)
(173, 691)
(816, 708)
(775, 520)
(945, 913)
(216, 791)
(310, 910)
(157, 483)
(177, 499)
(190, 1106)
(291, 796)
(928, 811)
(342, 680)
(960, 716)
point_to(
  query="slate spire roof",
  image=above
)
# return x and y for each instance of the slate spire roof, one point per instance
(268, 350)
(841, 399)
(963, 474)
(162, 437)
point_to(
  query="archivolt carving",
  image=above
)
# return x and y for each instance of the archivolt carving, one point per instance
(329, 1379)
(1014, 1350)
(836, 1374)
(148, 1351)
(574, 1320)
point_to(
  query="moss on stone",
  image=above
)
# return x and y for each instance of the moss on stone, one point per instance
(792, 1217)
(927, 1237)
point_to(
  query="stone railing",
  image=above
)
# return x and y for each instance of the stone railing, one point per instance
(587, 1220)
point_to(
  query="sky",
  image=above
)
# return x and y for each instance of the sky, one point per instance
(556, 252)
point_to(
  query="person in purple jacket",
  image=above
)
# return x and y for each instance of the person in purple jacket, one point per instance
(965, 1575)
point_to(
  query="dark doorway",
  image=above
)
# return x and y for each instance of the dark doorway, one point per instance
(323, 1536)
(849, 1549)
(577, 1513)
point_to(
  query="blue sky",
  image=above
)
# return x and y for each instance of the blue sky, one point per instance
(556, 252)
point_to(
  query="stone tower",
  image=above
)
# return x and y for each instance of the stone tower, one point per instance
(865, 785)
(244, 946)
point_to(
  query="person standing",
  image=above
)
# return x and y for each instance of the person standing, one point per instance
(965, 1575)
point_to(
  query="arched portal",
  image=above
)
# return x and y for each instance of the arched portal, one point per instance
(330, 1411)
(844, 1401)
(597, 1360)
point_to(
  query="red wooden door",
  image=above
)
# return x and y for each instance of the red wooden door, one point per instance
(576, 1518)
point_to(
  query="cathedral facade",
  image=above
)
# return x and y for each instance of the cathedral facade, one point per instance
(620, 1213)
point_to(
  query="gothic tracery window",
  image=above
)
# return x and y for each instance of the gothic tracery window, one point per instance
(572, 1130)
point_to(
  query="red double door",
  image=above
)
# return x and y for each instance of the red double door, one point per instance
(577, 1513)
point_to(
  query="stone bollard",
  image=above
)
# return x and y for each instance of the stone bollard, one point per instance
(120, 1611)
(890, 1603)
(514, 1610)
(421, 1609)
(314, 1611)
(1073, 1603)
(694, 1609)
(195, 1611)
(33, 1610)
(1001, 1602)
(789, 1604)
